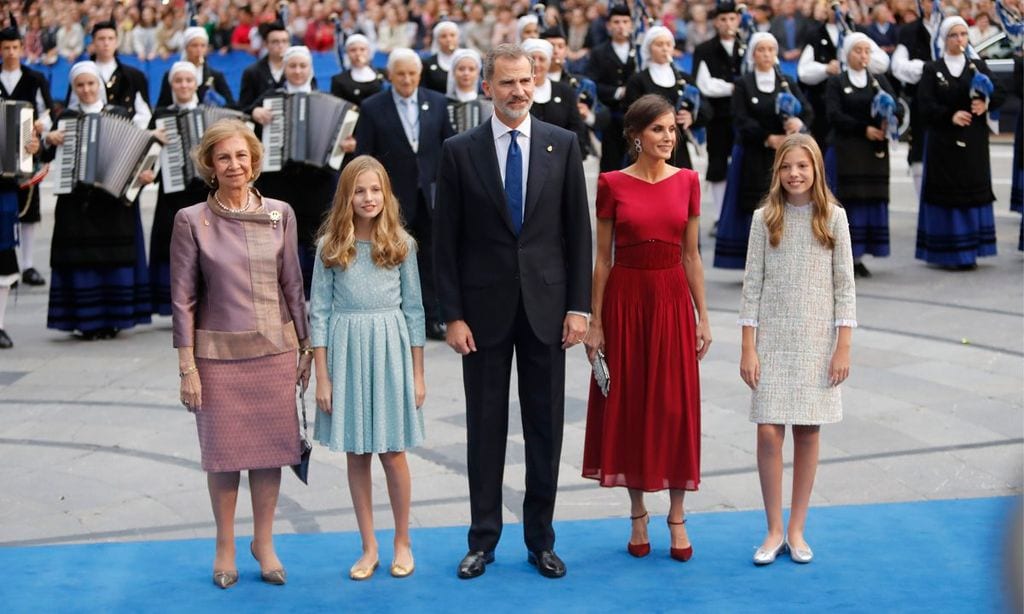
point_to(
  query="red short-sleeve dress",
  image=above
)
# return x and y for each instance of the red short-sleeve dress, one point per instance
(646, 433)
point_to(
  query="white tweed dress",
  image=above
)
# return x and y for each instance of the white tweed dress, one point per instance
(797, 295)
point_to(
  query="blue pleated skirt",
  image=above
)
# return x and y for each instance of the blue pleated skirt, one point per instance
(869, 219)
(734, 223)
(953, 237)
(98, 297)
(160, 285)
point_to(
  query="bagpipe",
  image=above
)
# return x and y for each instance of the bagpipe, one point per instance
(934, 21)
(787, 105)
(845, 25)
(981, 85)
(690, 100)
(1013, 25)
(743, 33)
(211, 97)
(884, 107)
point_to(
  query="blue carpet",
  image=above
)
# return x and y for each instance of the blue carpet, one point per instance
(924, 556)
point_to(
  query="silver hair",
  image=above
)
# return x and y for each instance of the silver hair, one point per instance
(507, 51)
(401, 54)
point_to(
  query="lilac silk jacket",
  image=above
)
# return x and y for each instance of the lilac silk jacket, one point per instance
(236, 284)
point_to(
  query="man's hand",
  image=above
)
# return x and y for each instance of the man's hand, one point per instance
(460, 338)
(574, 329)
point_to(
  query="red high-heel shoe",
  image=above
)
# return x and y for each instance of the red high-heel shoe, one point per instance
(680, 554)
(639, 550)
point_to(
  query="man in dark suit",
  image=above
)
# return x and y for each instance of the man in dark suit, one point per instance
(611, 65)
(126, 86)
(512, 251)
(266, 73)
(404, 129)
(790, 28)
(196, 42)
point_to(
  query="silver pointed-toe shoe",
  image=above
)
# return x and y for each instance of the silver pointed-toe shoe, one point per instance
(767, 556)
(225, 579)
(801, 555)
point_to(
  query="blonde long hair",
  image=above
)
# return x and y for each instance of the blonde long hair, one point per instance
(822, 199)
(389, 239)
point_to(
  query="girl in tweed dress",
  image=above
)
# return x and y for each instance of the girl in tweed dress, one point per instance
(798, 312)
(368, 333)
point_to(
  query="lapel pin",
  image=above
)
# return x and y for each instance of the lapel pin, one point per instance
(356, 91)
(433, 67)
(550, 148)
(847, 90)
(426, 106)
(753, 100)
(558, 99)
(206, 222)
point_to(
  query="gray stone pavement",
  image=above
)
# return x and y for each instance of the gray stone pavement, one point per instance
(95, 447)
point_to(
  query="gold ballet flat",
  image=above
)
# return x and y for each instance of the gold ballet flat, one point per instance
(363, 573)
(225, 579)
(401, 571)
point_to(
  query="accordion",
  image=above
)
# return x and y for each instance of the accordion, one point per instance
(103, 151)
(307, 129)
(470, 114)
(16, 126)
(184, 131)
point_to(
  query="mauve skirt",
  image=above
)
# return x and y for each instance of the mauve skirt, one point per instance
(248, 419)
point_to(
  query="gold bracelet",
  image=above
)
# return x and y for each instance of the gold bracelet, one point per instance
(189, 371)
(306, 350)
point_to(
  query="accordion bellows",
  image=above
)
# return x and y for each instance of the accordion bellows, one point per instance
(306, 129)
(106, 152)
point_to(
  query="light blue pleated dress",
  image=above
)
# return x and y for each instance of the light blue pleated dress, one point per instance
(368, 318)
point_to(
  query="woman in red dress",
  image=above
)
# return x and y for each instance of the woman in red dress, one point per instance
(645, 435)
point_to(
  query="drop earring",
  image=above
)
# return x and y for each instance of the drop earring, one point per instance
(636, 144)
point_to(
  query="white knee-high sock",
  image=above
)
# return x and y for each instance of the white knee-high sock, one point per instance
(917, 171)
(4, 291)
(717, 198)
(28, 236)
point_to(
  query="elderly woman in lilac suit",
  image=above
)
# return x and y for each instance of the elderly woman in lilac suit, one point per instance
(242, 338)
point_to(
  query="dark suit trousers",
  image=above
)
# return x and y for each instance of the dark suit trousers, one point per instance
(486, 375)
(613, 146)
(422, 229)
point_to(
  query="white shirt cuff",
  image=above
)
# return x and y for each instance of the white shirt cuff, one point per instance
(747, 322)
(845, 322)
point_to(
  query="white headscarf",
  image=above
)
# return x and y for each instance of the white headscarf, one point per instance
(458, 56)
(178, 67)
(755, 40)
(191, 34)
(299, 51)
(649, 37)
(854, 39)
(522, 22)
(435, 47)
(86, 68)
(356, 38)
(538, 44)
(944, 28)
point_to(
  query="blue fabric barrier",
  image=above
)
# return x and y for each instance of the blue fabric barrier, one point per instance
(233, 63)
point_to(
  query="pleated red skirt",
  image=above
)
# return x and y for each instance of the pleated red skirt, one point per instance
(646, 433)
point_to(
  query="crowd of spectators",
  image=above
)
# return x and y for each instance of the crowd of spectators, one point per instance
(153, 28)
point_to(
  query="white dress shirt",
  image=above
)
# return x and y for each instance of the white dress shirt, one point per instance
(501, 143)
(710, 86)
(142, 112)
(409, 114)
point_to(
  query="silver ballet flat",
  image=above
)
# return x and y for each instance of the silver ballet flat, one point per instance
(801, 555)
(767, 557)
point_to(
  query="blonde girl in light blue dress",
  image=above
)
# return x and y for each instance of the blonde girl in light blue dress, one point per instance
(368, 334)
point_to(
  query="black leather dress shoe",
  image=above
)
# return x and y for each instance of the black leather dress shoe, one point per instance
(436, 331)
(5, 341)
(32, 277)
(547, 563)
(474, 564)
